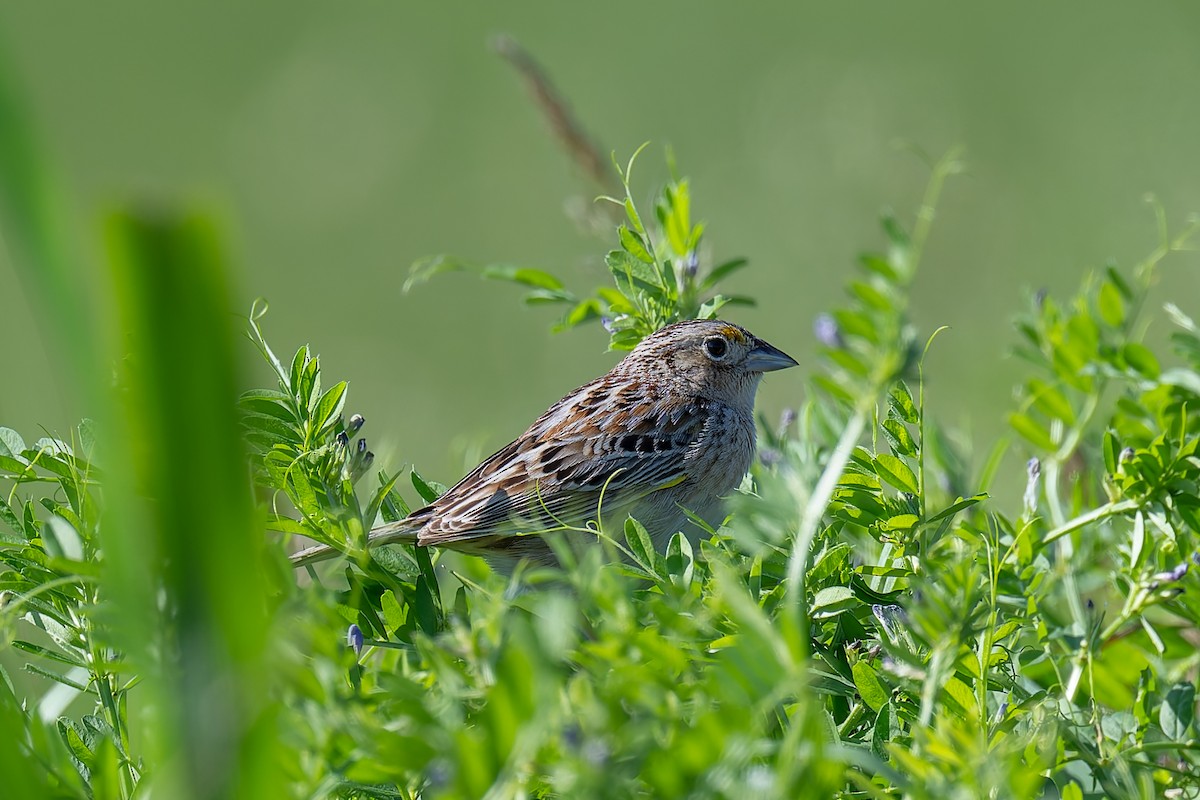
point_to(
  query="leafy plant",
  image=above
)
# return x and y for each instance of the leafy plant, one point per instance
(868, 623)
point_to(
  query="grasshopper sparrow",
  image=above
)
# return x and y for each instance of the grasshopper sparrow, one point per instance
(670, 428)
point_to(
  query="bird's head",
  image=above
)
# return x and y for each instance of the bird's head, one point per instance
(711, 358)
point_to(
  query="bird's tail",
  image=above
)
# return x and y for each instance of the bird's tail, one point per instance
(398, 532)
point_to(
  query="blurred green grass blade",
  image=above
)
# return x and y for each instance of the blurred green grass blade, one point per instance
(35, 235)
(187, 524)
(22, 776)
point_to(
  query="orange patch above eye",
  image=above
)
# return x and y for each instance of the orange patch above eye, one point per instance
(733, 334)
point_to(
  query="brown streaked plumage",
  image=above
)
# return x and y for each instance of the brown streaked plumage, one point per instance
(670, 428)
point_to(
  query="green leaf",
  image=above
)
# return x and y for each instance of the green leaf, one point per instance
(297, 372)
(525, 276)
(61, 540)
(383, 493)
(45, 459)
(869, 686)
(635, 219)
(901, 246)
(1119, 281)
(679, 561)
(857, 324)
(1111, 305)
(1112, 452)
(632, 274)
(1034, 433)
(831, 601)
(582, 312)
(879, 265)
(329, 408)
(639, 543)
(309, 388)
(302, 493)
(962, 695)
(870, 296)
(901, 522)
(894, 471)
(426, 607)
(882, 733)
(429, 490)
(900, 401)
(53, 655)
(548, 296)
(678, 223)
(280, 409)
(895, 231)
(1177, 711)
(634, 245)
(721, 272)
(278, 430)
(1050, 401)
(899, 438)
(75, 743)
(394, 615)
(9, 518)
(829, 562)
(11, 443)
(710, 307)
(957, 506)
(1140, 359)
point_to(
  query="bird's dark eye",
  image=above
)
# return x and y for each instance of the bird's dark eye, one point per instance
(716, 347)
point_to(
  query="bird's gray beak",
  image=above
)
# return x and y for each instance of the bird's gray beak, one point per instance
(766, 358)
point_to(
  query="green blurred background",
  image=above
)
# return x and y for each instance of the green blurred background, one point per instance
(337, 143)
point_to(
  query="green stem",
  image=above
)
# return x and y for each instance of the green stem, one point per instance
(1095, 515)
(856, 715)
(1158, 747)
(948, 165)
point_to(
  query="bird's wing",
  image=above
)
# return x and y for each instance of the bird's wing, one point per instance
(600, 444)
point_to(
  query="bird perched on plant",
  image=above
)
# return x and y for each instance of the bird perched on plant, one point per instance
(668, 432)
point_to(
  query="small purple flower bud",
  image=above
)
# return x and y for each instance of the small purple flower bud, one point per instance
(1090, 605)
(826, 329)
(1196, 558)
(787, 418)
(1170, 576)
(691, 264)
(355, 424)
(368, 460)
(362, 446)
(1126, 455)
(342, 440)
(1039, 299)
(354, 640)
(607, 323)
